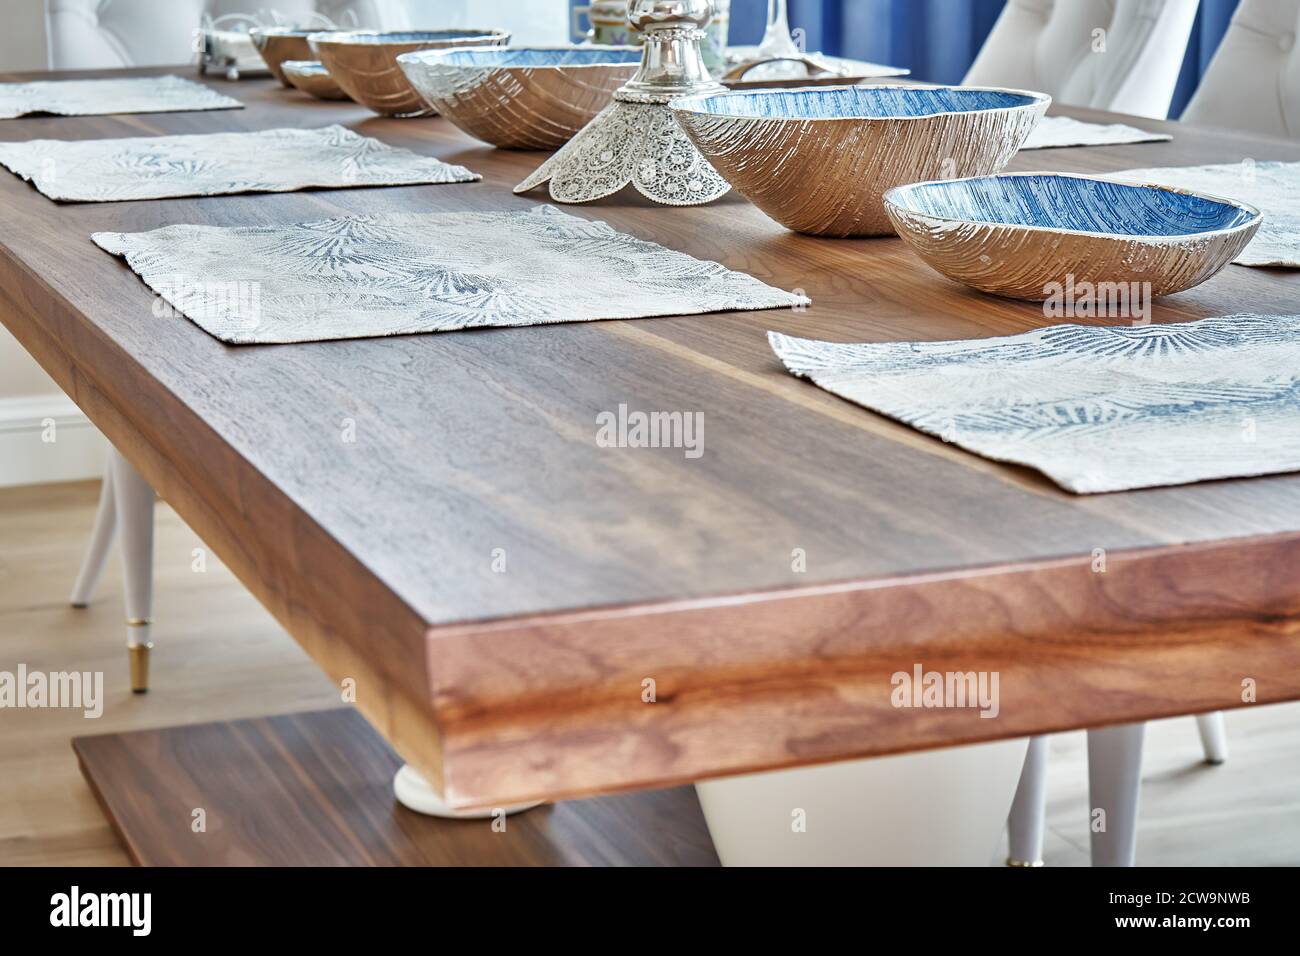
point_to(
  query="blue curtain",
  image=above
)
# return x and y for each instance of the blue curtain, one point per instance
(938, 39)
(1211, 24)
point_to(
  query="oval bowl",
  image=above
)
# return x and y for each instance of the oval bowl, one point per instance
(1032, 235)
(279, 44)
(818, 160)
(521, 97)
(312, 78)
(364, 63)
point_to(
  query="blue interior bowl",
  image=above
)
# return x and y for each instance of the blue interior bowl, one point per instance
(856, 102)
(1031, 235)
(818, 159)
(524, 57)
(1072, 204)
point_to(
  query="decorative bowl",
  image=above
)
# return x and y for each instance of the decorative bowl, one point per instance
(1033, 235)
(312, 78)
(521, 98)
(817, 160)
(278, 44)
(364, 63)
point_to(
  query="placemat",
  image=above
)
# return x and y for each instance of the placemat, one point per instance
(1094, 409)
(136, 94)
(217, 164)
(1273, 188)
(1053, 132)
(398, 274)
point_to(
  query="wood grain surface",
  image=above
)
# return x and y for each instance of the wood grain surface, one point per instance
(626, 564)
(316, 789)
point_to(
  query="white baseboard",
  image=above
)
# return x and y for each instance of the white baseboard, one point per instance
(46, 438)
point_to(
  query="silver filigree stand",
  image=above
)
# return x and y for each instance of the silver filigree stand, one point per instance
(635, 140)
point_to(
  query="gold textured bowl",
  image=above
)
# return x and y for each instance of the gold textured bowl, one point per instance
(521, 98)
(1036, 235)
(817, 160)
(278, 44)
(313, 79)
(364, 63)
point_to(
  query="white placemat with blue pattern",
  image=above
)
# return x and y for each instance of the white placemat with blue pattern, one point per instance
(1094, 409)
(218, 164)
(136, 94)
(1055, 132)
(405, 273)
(1272, 188)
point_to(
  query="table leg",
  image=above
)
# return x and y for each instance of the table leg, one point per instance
(938, 807)
(101, 539)
(135, 503)
(1114, 784)
(414, 793)
(1214, 738)
(1028, 819)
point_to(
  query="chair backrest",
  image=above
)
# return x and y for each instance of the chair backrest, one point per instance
(530, 22)
(1253, 82)
(1119, 55)
(102, 34)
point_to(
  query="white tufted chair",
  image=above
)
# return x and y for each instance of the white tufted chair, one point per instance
(529, 22)
(1253, 82)
(102, 34)
(1052, 46)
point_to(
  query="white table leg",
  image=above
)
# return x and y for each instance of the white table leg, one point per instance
(414, 793)
(938, 807)
(135, 504)
(1214, 737)
(1027, 821)
(1114, 783)
(101, 539)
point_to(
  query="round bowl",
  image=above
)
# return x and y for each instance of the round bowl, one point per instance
(817, 160)
(364, 63)
(521, 98)
(313, 79)
(278, 44)
(1036, 235)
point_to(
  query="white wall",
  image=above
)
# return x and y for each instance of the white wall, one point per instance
(43, 436)
(22, 47)
(19, 373)
(22, 37)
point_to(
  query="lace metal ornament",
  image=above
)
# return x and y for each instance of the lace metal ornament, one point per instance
(636, 140)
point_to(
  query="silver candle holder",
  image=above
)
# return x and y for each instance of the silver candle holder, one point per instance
(636, 140)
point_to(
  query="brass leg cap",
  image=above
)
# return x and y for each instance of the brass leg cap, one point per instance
(1012, 861)
(140, 667)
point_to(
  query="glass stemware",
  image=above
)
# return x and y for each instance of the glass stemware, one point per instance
(778, 57)
(778, 42)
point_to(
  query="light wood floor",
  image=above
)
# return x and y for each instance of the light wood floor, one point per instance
(221, 656)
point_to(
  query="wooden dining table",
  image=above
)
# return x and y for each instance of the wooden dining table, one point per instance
(528, 615)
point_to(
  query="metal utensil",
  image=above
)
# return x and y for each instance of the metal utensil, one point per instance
(636, 140)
